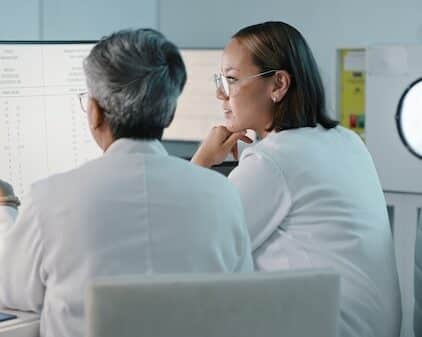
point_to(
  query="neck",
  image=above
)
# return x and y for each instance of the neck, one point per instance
(105, 140)
(107, 144)
(261, 130)
(262, 133)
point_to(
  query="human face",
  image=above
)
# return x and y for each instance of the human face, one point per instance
(249, 105)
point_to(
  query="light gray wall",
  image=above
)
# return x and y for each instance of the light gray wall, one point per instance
(73, 19)
(92, 19)
(326, 24)
(19, 19)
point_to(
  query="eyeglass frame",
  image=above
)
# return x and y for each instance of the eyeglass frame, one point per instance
(219, 80)
(80, 95)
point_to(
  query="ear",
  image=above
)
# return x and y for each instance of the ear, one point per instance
(95, 114)
(281, 85)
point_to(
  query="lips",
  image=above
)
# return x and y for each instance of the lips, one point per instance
(226, 111)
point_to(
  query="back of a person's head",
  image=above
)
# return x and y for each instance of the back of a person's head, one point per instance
(279, 46)
(136, 76)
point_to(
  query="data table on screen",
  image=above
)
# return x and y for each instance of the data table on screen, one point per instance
(198, 108)
(44, 131)
(43, 128)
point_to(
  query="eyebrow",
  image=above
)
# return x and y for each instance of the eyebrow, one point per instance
(230, 68)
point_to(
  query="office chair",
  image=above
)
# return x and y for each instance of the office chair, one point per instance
(288, 304)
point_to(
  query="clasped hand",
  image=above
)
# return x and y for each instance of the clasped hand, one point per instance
(217, 145)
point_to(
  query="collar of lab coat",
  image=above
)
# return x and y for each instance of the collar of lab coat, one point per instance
(128, 145)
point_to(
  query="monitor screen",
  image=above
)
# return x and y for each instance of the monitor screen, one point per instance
(198, 109)
(43, 129)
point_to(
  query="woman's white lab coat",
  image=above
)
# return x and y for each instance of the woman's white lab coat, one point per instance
(135, 210)
(313, 199)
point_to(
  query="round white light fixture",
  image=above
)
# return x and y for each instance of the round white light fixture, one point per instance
(409, 118)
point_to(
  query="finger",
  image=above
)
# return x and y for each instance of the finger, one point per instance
(217, 135)
(10, 204)
(232, 140)
(246, 139)
(221, 130)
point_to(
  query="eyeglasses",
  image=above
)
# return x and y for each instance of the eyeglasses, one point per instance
(83, 100)
(229, 86)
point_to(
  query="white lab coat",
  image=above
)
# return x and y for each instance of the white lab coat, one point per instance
(135, 210)
(312, 199)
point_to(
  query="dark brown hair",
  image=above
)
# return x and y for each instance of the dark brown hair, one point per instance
(277, 45)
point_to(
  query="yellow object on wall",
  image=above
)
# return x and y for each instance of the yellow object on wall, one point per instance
(352, 89)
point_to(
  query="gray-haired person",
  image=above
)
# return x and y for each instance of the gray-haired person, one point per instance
(134, 210)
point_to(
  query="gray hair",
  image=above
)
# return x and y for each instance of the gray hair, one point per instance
(136, 76)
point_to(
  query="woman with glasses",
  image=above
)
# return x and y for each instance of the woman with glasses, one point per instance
(309, 187)
(134, 210)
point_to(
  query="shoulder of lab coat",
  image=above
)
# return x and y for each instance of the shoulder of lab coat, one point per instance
(263, 190)
(21, 284)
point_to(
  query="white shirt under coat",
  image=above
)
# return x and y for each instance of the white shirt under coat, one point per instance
(312, 199)
(135, 210)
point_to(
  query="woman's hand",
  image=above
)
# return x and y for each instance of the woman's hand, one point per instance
(7, 196)
(217, 145)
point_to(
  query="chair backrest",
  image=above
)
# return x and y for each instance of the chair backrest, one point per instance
(288, 304)
(417, 318)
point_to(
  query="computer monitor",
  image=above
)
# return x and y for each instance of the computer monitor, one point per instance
(198, 109)
(43, 129)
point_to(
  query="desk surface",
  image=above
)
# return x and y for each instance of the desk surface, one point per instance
(26, 325)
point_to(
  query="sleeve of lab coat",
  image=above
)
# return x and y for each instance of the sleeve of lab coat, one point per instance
(264, 193)
(21, 285)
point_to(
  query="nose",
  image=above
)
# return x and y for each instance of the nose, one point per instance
(220, 94)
